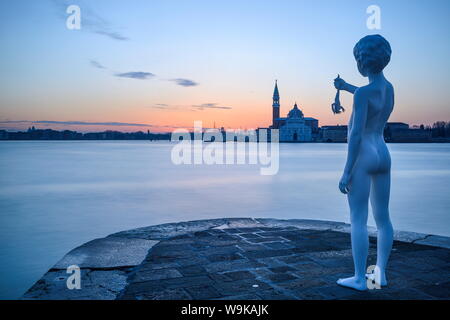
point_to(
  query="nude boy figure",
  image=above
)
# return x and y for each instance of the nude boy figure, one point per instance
(367, 172)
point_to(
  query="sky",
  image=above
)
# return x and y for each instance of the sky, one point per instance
(159, 65)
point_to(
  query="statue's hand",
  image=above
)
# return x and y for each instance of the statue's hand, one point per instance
(344, 183)
(339, 83)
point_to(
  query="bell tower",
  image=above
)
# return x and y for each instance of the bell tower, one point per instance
(275, 106)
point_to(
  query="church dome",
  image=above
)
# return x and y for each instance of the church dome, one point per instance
(295, 112)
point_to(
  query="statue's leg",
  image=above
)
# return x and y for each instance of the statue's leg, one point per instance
(379, 199)
(358, 199)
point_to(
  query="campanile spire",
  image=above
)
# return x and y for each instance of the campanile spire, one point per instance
(275, 106)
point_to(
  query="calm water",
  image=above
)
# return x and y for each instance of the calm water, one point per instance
(55, 196)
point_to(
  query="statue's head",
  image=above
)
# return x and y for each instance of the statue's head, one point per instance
(372, 54)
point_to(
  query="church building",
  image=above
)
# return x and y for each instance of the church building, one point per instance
(295, 127)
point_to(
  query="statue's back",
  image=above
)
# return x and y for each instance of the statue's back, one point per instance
(381, 104)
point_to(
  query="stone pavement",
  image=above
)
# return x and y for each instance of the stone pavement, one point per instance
(279, 263)
(249, 259)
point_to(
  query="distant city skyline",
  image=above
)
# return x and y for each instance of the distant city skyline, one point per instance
(160, 65)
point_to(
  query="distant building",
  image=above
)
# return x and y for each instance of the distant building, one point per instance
(334, 133)
(396, 125)
(400, 132)
(4, 135)
(393, 132)
(295, 127)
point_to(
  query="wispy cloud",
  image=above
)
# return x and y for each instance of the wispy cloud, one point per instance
(82, 126)
(90, 20)
(112, 34)
(209, 106)
(84, 123)
(169, 107)
(185, 82)
(97, 64)
(77, 123)
(195, 107)
(135, 75)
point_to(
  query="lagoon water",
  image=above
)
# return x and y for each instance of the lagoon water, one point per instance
(56, 195)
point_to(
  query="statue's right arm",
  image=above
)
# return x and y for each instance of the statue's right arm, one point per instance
(350, 88)
(341, 84)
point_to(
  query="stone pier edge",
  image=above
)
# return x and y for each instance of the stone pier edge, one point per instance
(168, 230)
(105, 262)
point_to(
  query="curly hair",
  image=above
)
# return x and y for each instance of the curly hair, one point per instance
(372, 53)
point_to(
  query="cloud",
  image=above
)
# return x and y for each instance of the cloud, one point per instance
(210, 106)
(161, 106)
(84, 123)
(97, 64)
(185, 82)
(23, 125)
(90, 20)
(79, 123)
(136, 75)
(164, 106)
(112, 34)
(14, 121)
(196, 107)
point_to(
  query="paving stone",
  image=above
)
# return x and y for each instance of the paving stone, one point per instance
(242, 297)
(274, 294)
(245, 246)
(302, 284)
(336, 263)
(265, 239)
(192, 270)
(261, 273)
(295, 259)
(158, 274)
(268, 253)
(282, 269)
(234, 231)
(202, 292)
(167, 294)
(271, 262)
(441, 291)
(308, 294)
(223, 266)
(332, 292)
(208, 251)
(104, 285)
(224, 257)
(279, 245)
(241, 286)
(249, 235)
(281, 277)
(108, 252)
(219, 277)
(239, 275)
(193, 260)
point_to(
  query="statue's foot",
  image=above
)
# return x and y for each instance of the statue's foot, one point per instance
(353, 283)
(383, 281)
